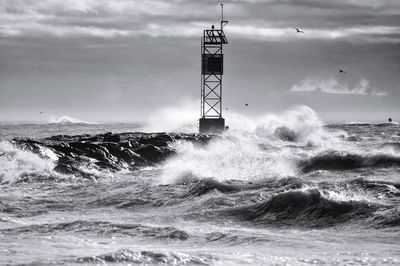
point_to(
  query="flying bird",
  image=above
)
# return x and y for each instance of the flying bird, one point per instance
(41, 112)
(246, 104)
(298, 30)
(342, 71)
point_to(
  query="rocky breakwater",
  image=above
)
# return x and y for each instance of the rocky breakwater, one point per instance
(108, 151)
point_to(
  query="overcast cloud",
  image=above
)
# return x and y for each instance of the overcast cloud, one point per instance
(120, 59)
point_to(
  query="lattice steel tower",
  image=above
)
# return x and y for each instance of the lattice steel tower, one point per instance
(212, 68)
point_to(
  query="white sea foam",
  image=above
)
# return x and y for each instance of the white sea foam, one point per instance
(68, 120)
(252, 153)
(302, 121)
(342, 194)
(15, 162)
(225, 159)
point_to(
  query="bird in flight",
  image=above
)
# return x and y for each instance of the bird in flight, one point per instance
(342, 71)
(246, 104)
(298, 30)
(41, 112)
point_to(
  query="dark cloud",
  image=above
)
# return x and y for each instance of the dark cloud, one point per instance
(272, 20)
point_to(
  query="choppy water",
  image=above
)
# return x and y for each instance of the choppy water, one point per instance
(293, 193)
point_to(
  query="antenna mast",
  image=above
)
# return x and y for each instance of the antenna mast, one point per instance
(222, 13)
(223, 22)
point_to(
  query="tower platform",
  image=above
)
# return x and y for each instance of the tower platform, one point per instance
(211, 125)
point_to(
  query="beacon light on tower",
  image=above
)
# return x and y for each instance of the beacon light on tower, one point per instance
(212, 68)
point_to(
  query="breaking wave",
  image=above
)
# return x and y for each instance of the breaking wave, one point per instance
(303, 208)
(299, 124)
(17, 164)
(261, 151)
(66, 120)
(227, 158)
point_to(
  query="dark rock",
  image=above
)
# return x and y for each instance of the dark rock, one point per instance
(111, 137)
(67, 165)
(152, 153)
(108, 151)
(126, 144)
(286, 134)
(159, 139)
(122, 154)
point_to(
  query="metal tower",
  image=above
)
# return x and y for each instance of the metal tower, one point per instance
(212, 66)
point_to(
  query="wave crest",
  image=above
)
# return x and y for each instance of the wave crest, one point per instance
(339, 160)
(299, 124)
(305, 208)
(65, 120)
(17, 163)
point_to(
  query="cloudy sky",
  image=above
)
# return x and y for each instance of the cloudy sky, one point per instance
(119, 60)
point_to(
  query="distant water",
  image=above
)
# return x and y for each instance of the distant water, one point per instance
(294, 194)
(10, 130)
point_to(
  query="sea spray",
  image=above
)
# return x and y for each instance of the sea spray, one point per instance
(228, 158)
(181, 117)
(16, 162)
(253, 152)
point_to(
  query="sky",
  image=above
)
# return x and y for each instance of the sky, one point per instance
(120, 60)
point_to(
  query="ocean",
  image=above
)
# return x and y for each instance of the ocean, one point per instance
(290, 190)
